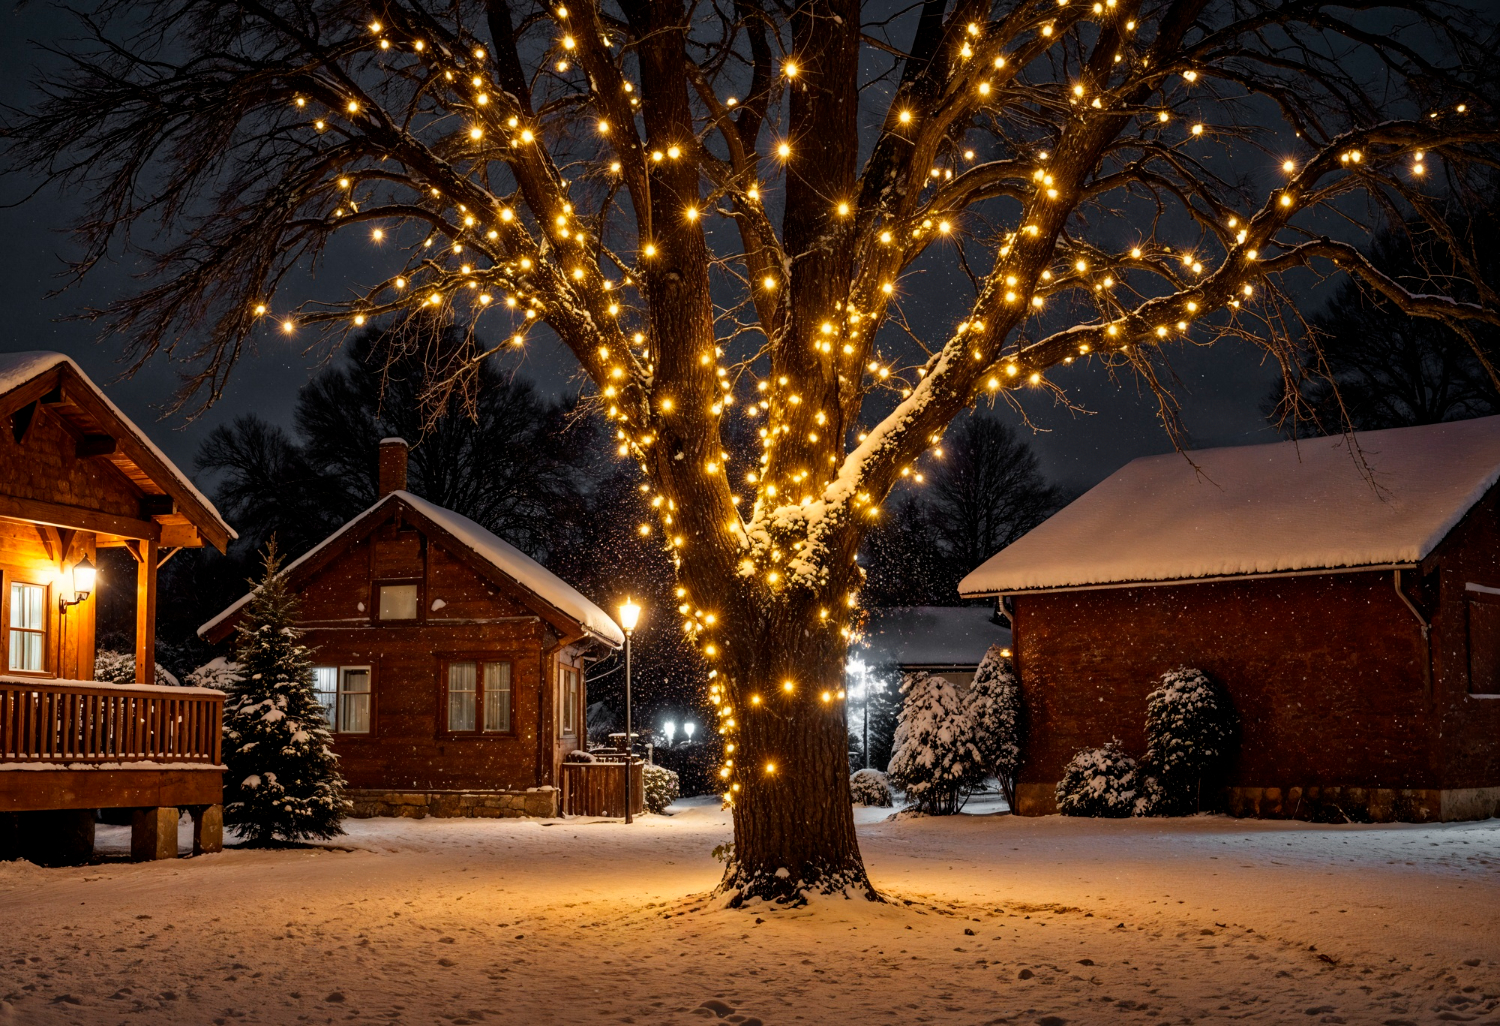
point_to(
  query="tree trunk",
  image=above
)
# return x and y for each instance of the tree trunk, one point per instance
(793, 818)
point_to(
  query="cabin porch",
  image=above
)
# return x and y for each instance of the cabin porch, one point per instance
(68, 748)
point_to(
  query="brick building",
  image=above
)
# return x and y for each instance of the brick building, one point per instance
(1349, 603)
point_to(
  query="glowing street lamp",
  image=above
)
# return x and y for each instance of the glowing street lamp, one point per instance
(688, 728)
(671, 731)
(630, 615)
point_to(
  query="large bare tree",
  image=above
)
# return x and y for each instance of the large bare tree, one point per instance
(718, 209)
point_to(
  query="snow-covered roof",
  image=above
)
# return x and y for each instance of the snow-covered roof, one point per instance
(931, 635)
(16, 369)
(491, 548)
(1258, 509)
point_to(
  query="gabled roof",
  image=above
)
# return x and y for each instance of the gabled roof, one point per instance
(928, 636)
(56, 381)
(465, 535)
(1258, 509)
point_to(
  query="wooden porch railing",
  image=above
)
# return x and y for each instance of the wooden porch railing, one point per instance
(55, 722)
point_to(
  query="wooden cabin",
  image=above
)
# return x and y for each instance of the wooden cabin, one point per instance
(1349, 603)
(451, 664)
(76, 475)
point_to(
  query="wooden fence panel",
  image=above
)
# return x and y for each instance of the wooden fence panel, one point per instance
(598, 788)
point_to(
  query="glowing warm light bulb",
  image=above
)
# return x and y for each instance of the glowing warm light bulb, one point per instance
(783, 151)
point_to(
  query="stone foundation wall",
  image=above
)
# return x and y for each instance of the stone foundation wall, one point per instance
(1323, 804)
(1364, 804)
(540, 801)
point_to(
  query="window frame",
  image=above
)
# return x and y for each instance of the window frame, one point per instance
(567, 704)
(480, 661)
(381, 582)
(335, 723)
(1478, 595)
(9, 582)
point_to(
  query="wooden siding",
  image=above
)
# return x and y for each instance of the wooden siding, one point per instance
(45, 466)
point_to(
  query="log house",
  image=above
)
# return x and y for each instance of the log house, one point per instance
(451, 663)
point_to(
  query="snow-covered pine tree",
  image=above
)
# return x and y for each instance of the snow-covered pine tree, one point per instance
(995, 724)
(934, 760)
(1190, 732)
(1102, 782)
(282, 780)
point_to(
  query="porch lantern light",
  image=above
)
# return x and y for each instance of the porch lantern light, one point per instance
(84, 578)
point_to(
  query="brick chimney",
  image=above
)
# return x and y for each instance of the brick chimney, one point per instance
(392, 466)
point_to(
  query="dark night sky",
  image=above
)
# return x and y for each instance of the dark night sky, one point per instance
(1220, 388)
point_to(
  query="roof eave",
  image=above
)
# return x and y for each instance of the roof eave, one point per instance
(1118, 585)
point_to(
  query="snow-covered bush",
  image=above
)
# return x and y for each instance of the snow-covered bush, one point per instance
(995, 723)
(870, 787)
(282, 779)
(119, 668)
(1099, 782)
(935, 761)
(218, 673)
(1190, 734)
(661, 787)
(578, 755)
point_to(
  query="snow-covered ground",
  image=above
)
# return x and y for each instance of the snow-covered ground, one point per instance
(994, 919)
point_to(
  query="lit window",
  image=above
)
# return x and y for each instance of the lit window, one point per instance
(497, 696)
(462, 690)
(326, 688)
(398, 601)
(474, 686)
(28, 626)
(354, 700)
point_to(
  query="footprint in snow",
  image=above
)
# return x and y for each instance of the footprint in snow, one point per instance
(716, 1009)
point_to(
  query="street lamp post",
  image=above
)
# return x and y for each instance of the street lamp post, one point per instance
(864, 685)
(858, 666)
(630, 615)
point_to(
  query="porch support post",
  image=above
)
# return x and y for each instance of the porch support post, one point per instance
(208, 828)
(145, 613)
(153, 834)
